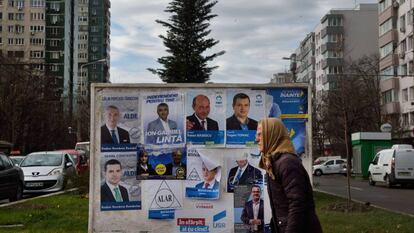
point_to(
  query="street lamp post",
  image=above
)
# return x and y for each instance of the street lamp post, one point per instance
(81, 89)
(293, 65)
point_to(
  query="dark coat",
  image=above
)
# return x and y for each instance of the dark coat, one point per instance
(232, 123)
(248, 213)
(106, 137)
(291, 197)
(106, 193)
(251, 175)
(211, 124)
(141, 171)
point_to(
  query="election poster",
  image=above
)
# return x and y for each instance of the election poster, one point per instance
(163, 198)
(161, 163)
(204, 173)
(244, 108)
(242, 168)
(288, 102)
(297, 133)
(247, 199)
(120, 119)
(163, 119)
(205, 117)
(119, 188)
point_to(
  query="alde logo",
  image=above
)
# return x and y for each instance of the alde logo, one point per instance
(216, 220)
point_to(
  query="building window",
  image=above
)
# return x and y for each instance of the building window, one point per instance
(404, 95)
(37, 41)
(54, 31)
(11, 41)
(1, 41)
(54, 43)
(335, 21)
(55, 6)
(11, 28)
(37, 16)
(19, 29)
(384, 5)
(385, 50)
(54, 68)
(37, 28)
(37, 3)
(411, 118)
(403, 46)
(19, 16)
(19, 41)
(94, 29)
(54, 55)
(405, 119)
(402, 23)
(412, 93)
(403, 69)
(37, 54)
(11, 16)
(385, 27)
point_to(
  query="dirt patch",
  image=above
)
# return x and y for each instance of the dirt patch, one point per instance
(343, 207)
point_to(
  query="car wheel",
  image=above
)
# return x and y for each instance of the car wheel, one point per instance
(19, 193)
(370, 180)
(388, 182)
(318, 172)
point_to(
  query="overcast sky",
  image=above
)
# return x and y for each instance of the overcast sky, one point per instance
(254, 34)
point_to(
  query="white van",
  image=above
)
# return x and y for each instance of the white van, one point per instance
(393, 166)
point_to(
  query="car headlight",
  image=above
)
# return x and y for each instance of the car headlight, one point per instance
(55, 172)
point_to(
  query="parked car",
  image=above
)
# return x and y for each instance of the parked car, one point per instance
(323, 159)
(332, 166)
(393, 166)
(47, 171)
(11, 179)
(17, 159)
(79, 157)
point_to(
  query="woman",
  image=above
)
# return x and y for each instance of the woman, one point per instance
(144, 168)
(289, 188)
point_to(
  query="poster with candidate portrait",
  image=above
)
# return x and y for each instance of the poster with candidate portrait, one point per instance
(119, 188)
(246, 199)
(287, 102)
(120, 120)
(244, 108)
(161, 163)
(297, 132)
(205, 117)
(204, 173)
(242, 168)
(163, 119)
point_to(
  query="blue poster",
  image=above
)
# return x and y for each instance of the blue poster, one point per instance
(297, 133)
(287, 103)
(244, 109)
(162, 163)
(163, 120)
(205, 117)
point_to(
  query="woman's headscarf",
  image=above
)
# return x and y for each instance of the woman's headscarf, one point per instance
(275, 139)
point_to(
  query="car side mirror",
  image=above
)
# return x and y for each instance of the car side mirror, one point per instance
(69, 164)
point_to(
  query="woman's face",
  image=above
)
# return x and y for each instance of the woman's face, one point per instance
(259, 137)
(144, 158)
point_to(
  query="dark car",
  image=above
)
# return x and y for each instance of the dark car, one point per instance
(11, 179)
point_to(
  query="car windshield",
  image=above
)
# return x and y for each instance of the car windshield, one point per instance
(42, 160)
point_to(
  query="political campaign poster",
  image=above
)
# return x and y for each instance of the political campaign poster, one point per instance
(249, 208)
(204, 173)
(244, 108)
(120, 190)
(297, 133)
(267, 211)
(161, 163)
(205, 117)
(120, 119)
(163, 198)
(163, 119)
(288, 102)
(242, 168)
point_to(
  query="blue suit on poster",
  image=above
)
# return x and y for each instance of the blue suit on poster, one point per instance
(157, 127)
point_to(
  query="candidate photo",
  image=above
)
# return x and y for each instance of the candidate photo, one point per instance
(111, 189)
(210, 180)
(253, 211)
(240, 120)
(143, 166)
(111, 133)
(243, 174)
(162, 123)
(177, 168)
(199, 120)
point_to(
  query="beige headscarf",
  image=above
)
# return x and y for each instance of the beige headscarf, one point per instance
(275, 139)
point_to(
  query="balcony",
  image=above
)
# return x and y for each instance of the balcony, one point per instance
(329, 78)
(390, 108)
(332, 30)
(391, 83)
(331, 46)
(389, 60)
(391, 35)
(332, 62)
(386, 14)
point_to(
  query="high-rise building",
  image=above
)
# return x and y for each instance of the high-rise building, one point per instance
(342, 35)
(396, 65)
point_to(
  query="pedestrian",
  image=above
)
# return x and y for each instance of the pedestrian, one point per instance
(289, 187)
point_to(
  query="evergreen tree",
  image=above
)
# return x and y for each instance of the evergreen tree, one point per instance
(186, 42)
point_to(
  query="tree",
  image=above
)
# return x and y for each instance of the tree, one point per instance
(186, 42)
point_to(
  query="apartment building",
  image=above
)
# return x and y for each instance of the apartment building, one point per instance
(342, 35)
(396, 64)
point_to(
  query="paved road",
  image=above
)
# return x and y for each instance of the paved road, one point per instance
(396, 199)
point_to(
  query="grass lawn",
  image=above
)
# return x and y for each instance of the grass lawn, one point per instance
(69, 213)
(62, 213)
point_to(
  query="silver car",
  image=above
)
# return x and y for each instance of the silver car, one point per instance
(47, 171)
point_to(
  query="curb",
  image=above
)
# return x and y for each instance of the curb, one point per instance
(38, 197)
(363, 203)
